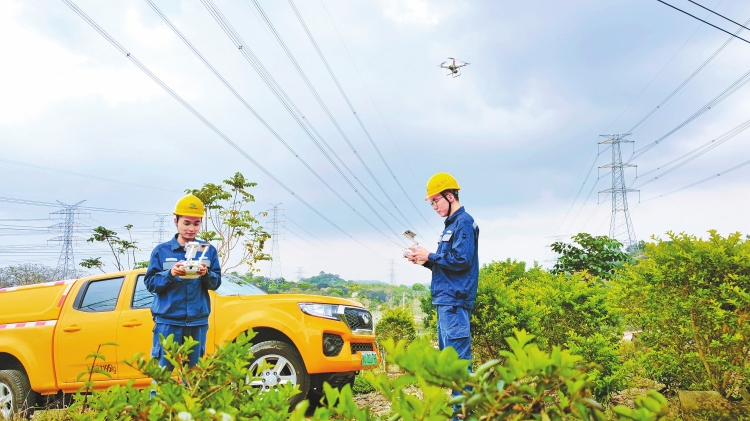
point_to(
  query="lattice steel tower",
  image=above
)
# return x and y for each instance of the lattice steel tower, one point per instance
(620, 226)
(161, 229)
(66, 266)
(274, 269)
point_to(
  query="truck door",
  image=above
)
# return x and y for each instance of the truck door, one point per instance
(135, 328)
(90, 321)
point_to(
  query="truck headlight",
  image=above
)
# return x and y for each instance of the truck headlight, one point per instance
(326, 311)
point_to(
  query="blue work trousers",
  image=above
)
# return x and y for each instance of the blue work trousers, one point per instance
(198, 333)
(453, 328)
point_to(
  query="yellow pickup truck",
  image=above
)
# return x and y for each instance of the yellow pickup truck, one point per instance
(47, 330)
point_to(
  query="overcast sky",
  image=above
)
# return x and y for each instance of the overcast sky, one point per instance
(518, 129)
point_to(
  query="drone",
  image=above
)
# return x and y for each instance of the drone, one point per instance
(453, 67)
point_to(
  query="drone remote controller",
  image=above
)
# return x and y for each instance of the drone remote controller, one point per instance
(191, 266)
(411, 236)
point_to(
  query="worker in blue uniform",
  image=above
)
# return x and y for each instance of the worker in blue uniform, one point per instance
(181, 306)
(454, 266)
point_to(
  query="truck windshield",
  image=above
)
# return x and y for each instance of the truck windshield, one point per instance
(234, 285)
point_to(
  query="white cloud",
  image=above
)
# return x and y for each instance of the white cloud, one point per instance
(419, 12)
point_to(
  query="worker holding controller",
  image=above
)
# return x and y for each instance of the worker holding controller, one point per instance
(180, 284)
(455, 269)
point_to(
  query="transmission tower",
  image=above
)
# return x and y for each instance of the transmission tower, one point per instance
(620, 226)
(161, 229)
(66, 266)
(299, 274)
(274, 269)
(392, 277)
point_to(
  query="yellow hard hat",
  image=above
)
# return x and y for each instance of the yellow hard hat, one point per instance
(189, 206)
(441, 182)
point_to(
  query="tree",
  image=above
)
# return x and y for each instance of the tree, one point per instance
(118, 246)
(600, 256)
(28, 274)
(229, 225)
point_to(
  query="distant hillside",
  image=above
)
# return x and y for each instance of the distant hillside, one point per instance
(368, 282)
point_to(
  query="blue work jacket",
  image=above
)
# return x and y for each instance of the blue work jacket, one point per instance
(181, 302)
(455, 264)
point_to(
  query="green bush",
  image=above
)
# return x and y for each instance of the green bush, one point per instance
(398, 324)
(530, 384)
(361, 385)
(571, 311)
(600, 256)
(691, 298)
(215, 389)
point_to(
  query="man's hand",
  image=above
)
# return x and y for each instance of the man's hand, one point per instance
(419, 254)
(203, 269)
(179, 269)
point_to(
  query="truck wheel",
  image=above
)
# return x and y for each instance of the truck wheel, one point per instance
(286, 367)
(16, 396)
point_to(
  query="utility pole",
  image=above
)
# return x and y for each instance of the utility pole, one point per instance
(66, 265)
(161, 229)
(274, 269)
(620, 226)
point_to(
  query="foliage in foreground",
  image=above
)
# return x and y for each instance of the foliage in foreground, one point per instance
(215, 389)
(531, 384)
(691, 298)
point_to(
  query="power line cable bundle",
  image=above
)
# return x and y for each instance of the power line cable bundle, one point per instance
(351, 107)
(695, 153)
(205, 121)
(288, 104)
(684, 83)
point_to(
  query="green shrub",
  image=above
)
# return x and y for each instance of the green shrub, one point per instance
(600, 256)
(397, 323)
(361, 385)
(691, 298)
(530, 384)
(215, 389)
(570, 311)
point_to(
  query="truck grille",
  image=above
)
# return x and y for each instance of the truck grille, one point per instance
(358, 319)
(360, 347)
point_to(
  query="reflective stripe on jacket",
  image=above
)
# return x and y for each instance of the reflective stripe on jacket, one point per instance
(182, 302)
(455, 264)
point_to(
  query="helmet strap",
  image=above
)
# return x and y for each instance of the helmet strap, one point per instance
(442, 193)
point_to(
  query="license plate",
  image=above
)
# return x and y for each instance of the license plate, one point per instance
(369, 359)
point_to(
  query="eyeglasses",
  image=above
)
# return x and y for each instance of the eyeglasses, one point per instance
(434, 202)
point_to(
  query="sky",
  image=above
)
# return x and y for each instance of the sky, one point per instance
(519, 129)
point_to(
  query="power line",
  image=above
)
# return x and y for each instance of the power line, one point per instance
(94, 177)
(736, 167)
(585, 180)
(695, 153)
(88, 208)
(707, 23)
(364, 85)
(718, 14)
(351, 108)
(262, 121)
(288, 104)
(198, 115)
(736, 85)
(684, 83)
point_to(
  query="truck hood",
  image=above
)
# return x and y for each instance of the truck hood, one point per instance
(303, 298)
